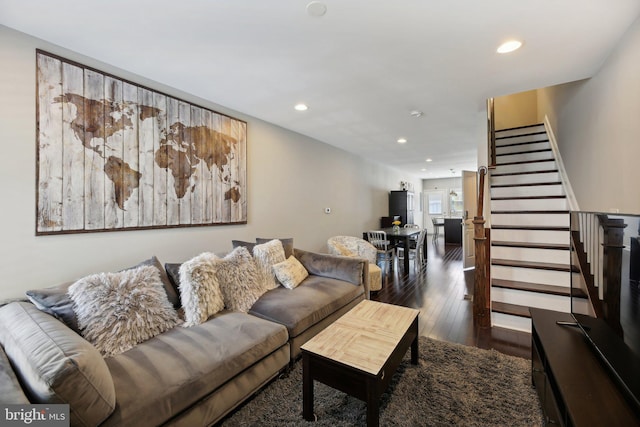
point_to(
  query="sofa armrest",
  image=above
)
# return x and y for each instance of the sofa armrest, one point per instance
(349, 269)
(10, 391)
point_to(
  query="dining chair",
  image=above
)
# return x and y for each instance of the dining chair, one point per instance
(386, 251)
(415, 253)
(438, 223)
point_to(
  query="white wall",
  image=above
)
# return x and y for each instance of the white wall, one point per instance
(291, 179)
(597, 124)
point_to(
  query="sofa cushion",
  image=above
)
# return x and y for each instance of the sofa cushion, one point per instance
(10, 390)
(162, 377)
(290, 272)
(266, 255)
(338, 267)
(199, 289)
(55, 364)
(302, 307)
(119, 310)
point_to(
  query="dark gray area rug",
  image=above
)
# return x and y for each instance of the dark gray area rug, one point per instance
(452, 385)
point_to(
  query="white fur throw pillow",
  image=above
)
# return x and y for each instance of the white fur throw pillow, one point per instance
(290, 272)
(200, 293)
(117, 311)
(239, 280)
(266, 256)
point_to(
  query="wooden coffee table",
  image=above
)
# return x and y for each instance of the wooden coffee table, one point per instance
(359, 353)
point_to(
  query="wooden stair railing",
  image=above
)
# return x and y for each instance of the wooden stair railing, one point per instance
(491, 133)
(481, 284)
(604, 235)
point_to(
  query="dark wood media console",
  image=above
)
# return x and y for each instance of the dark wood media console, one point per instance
(574, 386)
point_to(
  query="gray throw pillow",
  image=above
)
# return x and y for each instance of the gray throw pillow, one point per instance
(248, 245)
(116, 311)
(56, 302)
(173, 271)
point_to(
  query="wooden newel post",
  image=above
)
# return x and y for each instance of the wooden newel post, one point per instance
(481, 295)
(613, 245)
(481, 287)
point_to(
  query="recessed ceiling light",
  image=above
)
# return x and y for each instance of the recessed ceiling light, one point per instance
(301, 107)
(509, 46)
(402, 140)
(429, 159)
(316, 8)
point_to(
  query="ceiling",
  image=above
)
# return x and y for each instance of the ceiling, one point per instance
(361, 68)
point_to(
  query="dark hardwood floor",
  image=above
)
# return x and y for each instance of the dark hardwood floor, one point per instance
(442, 291)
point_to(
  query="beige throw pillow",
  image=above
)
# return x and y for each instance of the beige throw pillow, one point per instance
(267, 255)
(290, 272)
(200, 292)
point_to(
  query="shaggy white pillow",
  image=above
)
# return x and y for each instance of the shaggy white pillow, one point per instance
(117, 311)
(290, 272)
(200, 293)
(266, 256)
(239, 280)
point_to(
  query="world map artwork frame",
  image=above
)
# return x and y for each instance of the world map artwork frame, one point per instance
(115, 155)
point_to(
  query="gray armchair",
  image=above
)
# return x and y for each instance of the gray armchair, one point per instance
(359, 248)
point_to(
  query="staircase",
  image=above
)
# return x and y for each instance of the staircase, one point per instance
(530, 237)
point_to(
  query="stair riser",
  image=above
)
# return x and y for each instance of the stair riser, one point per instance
(530, 146)
(506, 321)
(532, 299)
(526, 167)
(528, 191)
(525, 179)
(531, 219)
(531, 275)
(530, 205)
(525, 157)
(522, 131)
(554, 256)
(532, 236)
(582, 305)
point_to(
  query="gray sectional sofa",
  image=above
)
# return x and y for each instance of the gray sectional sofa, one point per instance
(185, 376)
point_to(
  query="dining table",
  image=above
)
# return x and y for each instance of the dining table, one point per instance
(404, 235)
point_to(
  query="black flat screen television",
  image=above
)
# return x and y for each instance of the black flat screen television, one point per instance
(605, 292)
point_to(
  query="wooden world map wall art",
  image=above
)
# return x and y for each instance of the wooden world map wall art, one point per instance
(114, 155)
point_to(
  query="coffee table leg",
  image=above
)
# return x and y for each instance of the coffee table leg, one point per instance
(373, 406)
(307, 390)
(414, 344)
